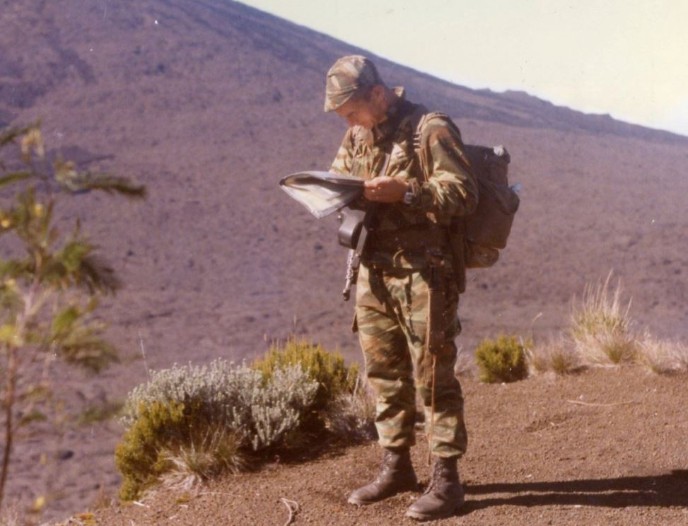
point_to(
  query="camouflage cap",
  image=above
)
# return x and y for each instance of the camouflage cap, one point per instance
(346, 77)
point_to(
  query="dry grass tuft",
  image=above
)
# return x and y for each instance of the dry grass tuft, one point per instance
(351, 416)
(465, 365)
(558, 356)
(601, 327)
(216, 451)
(662, 356)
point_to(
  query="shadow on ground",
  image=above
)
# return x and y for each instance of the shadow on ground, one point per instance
(668, 490)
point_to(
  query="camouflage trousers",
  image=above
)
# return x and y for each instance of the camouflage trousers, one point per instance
(391, 318)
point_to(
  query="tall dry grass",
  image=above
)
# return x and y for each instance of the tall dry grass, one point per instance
(602, 333)
(601, 326)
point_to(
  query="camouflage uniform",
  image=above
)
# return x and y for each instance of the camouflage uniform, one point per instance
(392, 291)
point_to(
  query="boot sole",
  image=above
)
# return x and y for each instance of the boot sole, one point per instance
(428, 517)
(357, 502)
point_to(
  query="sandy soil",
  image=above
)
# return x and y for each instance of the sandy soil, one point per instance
(603, 447)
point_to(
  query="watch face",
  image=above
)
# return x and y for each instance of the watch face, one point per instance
(408, 197)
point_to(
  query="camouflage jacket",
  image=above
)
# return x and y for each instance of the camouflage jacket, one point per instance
(442, 183)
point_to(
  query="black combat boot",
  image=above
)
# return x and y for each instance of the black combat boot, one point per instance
(444, 495)
(396, 475)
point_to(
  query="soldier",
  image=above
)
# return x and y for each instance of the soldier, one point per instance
(410, 277)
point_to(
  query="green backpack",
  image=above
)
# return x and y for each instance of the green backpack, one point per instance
(485, 232)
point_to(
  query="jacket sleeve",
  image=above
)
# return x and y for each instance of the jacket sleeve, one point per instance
(450, 187)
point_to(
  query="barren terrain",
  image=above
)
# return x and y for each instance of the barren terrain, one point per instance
(606, 448)
(209, 103)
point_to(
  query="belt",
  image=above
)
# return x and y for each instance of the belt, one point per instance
(419, 239)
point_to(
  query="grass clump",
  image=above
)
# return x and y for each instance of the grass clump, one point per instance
(501, 360)
(327, 369)
(662, 356)
(557, 356)
(191, 423)
(350, 417)
(601, 327)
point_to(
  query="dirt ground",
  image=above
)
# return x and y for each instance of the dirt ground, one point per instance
(209, 104)
(607, 446)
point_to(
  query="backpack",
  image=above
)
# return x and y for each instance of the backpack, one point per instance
(485, 232)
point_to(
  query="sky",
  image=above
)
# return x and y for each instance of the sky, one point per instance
(626, 58)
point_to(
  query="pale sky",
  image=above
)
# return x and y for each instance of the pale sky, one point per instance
(622, 57)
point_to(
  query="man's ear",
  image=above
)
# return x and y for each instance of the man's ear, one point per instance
(378, 98)
(377, 94)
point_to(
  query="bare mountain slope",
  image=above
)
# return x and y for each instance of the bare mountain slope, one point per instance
(210, 102)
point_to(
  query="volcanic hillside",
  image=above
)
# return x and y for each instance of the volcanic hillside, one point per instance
(209, 103)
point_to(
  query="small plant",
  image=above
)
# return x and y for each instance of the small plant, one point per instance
(601, 327)
(190, 423)
(170, 438)
(465, 364)
(50, 283)
(351, 416)
(328, 369)
(558, 356)
(501, 360)
(661, 356)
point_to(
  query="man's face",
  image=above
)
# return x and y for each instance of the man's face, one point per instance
(362, 112)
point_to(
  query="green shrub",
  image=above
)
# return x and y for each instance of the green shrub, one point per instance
(169, 438)
(193, 422)
(501, 360)
(328, 369)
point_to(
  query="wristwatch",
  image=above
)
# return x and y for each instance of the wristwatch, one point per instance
(410, 194)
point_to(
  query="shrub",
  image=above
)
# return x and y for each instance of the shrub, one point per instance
(189, 423)
(328, 369)
(501, 360)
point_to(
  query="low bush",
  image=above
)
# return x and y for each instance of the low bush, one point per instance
(501, 360)
(328, 369)
(192, 422)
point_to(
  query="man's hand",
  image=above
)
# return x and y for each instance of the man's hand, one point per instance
(385, 189)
